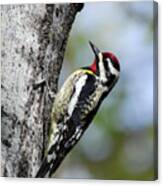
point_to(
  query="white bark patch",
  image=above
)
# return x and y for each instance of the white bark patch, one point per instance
(78, 88)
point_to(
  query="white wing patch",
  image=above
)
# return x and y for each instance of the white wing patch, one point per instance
(78, 87)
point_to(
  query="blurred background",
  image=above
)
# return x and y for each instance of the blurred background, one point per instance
(119, 143)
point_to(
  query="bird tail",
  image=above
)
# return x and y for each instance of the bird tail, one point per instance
(44, 169)
(48, 169)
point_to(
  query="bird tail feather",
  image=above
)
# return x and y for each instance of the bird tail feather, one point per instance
(43, 170)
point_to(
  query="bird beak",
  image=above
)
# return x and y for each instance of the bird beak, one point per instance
(96, 51)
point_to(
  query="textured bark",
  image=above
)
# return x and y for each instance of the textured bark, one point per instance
(32, 48)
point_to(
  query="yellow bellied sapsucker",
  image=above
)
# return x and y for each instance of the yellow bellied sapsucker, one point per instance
(75, 106)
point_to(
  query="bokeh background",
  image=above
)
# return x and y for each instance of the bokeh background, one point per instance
(119, 143)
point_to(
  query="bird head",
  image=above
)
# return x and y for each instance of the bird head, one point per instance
(105, 64)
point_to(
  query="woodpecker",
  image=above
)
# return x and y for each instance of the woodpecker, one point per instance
(75, 106)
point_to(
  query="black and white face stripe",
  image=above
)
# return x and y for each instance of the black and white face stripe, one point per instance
(106, 66)
(102, 70)
(113, 70)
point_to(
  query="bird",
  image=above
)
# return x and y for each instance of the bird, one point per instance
(75, 106)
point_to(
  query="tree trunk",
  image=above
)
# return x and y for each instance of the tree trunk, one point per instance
(33, 43)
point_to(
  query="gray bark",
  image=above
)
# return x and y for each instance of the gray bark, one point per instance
(33, 41)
